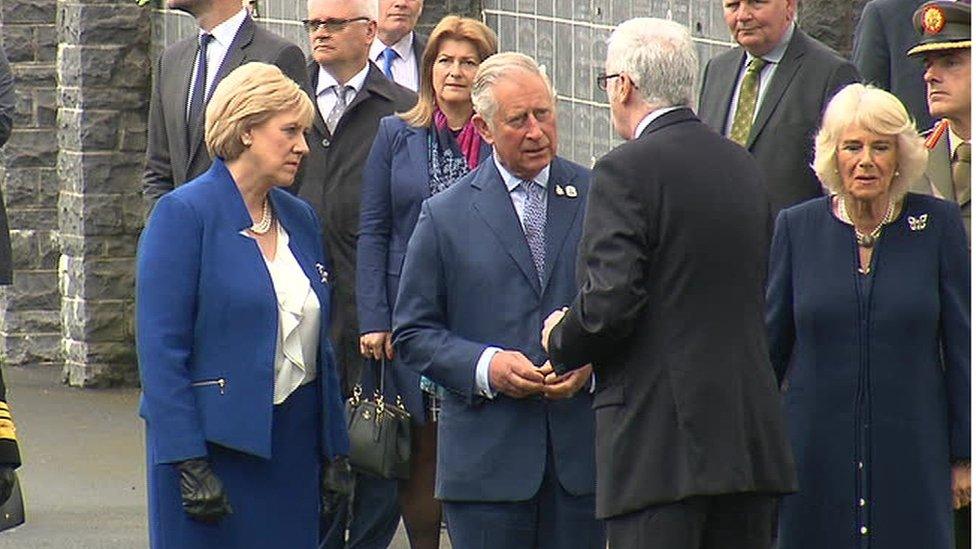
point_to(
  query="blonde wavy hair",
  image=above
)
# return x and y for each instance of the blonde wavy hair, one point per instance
(876, 111)
(247, 97)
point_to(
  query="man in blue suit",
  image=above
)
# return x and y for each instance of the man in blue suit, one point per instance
(488, 258)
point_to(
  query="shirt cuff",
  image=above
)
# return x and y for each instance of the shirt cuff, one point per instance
(481, 373)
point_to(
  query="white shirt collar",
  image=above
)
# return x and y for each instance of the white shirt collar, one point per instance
(326, 80)
(651, 117)
(403, 48)
(225, 32)
(512, 182)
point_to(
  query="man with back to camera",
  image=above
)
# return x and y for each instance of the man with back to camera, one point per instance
(691, 447)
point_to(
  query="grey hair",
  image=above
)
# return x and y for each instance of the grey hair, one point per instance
(658, 56)
(499, 66)
(369, 8)
(876, 111)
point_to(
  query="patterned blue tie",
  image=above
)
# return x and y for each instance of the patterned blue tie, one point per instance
(388, 56)
(534, 219)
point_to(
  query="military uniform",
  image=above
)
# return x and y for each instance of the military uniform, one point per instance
(945, 25)
(9, 451)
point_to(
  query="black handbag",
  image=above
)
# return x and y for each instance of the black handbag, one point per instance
(379, 433)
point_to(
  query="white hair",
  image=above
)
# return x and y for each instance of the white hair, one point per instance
(498, 66)
(369, 8)
(658, 56)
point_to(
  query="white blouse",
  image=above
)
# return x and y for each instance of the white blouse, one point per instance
(299, 320)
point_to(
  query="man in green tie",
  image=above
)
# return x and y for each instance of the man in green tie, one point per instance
(945, 48)
(767, 94)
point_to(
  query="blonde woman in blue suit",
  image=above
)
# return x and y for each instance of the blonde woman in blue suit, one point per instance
(240, 394)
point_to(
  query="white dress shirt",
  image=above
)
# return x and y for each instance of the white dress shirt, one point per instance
(651, 117)
(327, 90)
(223, 35)
(772, 59)
(404, 65)
(299, 320)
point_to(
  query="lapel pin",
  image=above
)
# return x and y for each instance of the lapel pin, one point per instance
(559, 191)
(323, 274)
(918, 224)
(571, 191)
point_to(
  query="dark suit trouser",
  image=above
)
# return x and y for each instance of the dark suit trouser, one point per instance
(963, 540)
(552, 519)
(734, 521)
(374, 520)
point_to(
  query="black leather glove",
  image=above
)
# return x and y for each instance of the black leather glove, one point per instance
(203, 494)
(6, 482)
(337, 484)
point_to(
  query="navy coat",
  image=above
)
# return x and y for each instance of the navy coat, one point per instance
(468, 283)
(207, 322)
(875, 418)
(395, 181)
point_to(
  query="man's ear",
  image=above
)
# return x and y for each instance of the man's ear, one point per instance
(483, 128)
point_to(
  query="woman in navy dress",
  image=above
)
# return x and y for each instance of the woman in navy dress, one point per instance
(415, 155)
(869, 323)
(240, 394)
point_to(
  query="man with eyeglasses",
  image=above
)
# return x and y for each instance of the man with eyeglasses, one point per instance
(397, 49)
(185, 75)
(351, 95)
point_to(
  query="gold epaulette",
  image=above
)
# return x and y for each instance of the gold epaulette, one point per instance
(7, 429)
(936, 133)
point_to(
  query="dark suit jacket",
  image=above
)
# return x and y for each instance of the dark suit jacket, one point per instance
(331, 180)
(395, 181)
(207, 322)
(884, 33)
(469, 283)
(172, 160)
(670, 313)
(789, 115)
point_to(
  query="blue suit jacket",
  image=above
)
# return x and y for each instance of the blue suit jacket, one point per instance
(206, 311)
(468, 283)
(395, 182)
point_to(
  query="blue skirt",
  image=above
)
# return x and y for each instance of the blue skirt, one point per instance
(275, 502)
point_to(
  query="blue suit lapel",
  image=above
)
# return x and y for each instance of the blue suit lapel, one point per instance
(494, 205)
(560, 214)
(417, 147)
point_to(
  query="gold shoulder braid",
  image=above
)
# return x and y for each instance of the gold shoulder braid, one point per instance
(7, 429)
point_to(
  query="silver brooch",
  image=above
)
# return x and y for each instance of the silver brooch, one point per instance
(323, 274)
(571, 191)
(918, 224)
(560, 191)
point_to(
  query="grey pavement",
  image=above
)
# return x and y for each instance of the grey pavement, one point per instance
(83, 475)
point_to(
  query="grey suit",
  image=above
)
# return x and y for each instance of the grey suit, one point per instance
(884, 34)
(788, 116)
(172, 157)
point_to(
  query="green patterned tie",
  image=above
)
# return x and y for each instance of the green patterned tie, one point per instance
(745, 108)
(960, 171)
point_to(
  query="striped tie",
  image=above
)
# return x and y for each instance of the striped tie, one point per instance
(340, 107)
(745, 108)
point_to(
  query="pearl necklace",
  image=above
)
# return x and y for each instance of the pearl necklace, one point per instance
(870, 239)
(266, 221)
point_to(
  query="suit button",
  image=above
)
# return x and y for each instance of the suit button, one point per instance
(860, 465)
(864, 530)
(861, 502)
(326, 143)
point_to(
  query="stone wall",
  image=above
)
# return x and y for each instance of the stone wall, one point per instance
(30, 324)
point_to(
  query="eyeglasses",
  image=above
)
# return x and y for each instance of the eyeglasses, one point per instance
(601, 80)
(331, 25)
